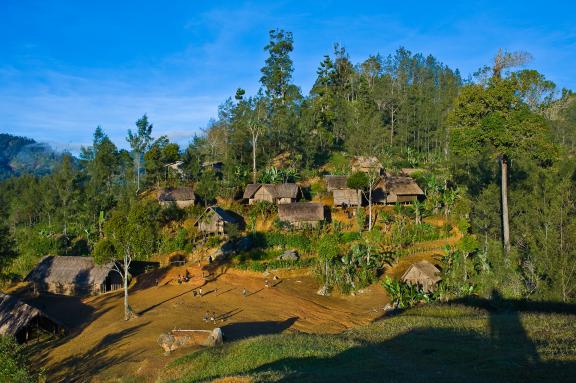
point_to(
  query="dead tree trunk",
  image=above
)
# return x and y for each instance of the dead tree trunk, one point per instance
(504, 190)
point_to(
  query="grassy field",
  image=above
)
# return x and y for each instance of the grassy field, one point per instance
(445, 343)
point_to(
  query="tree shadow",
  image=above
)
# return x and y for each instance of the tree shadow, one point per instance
(81, 368)
(240, 330)
(149, 308)
(445, 354)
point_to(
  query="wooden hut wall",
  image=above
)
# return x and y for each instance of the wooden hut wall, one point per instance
(262, 195)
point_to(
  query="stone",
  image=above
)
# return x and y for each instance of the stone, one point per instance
(289, 255)
(324, 291)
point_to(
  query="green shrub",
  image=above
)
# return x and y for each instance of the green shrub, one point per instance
(404, 295)
(12, 362)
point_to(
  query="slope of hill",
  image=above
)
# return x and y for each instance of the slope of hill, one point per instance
(436, 343)
(19, 155)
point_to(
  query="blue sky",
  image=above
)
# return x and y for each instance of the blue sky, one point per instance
(68, 66)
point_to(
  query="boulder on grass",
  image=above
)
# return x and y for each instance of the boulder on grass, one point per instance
(289, 255)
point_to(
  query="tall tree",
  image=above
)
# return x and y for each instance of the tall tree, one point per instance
(493, 118)
(277, 73)
(139, 142)
(131, 233)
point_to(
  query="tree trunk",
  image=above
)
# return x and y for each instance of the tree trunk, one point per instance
(137, 172)
(254, 141)
(505, 220)
(127, 309)
(359, 205)
(370, 208)
(392, 127)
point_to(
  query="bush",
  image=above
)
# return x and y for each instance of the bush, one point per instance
(12, 362)
(404, 295)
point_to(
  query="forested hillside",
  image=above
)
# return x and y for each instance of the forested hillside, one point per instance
(20, 155)
(408, 110)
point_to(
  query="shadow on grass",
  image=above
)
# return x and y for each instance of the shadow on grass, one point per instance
(240, 330)
(438, 354)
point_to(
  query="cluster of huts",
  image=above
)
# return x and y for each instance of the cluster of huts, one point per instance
(389, 189)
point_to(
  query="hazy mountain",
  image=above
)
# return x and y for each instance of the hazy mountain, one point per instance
(19, 155)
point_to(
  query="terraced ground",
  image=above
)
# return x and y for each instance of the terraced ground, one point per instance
(105, 348)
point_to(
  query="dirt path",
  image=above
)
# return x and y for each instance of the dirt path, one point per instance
(107, 348)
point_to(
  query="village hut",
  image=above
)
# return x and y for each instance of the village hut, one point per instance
(336, 182)
(20, 320)
(274, 193)
(423, 274)
(300, 214)
(216, 220)
(346, 197)
(176, 168)
(366, 165)
(341, 193)
(181, 196)
(67, 275)
(396, 189)
(217, 166)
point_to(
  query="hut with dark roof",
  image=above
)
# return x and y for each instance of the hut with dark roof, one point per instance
(366, 164)
(396, 189)
(423, 274)
(216, 220)
(274, 193)
(300, 214)
(181, 196)
(341, 193)
(20, 320)
(67, 275)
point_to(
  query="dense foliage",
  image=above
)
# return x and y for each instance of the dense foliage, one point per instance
(406, 109)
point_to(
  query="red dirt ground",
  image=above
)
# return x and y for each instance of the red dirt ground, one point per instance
(106, 348)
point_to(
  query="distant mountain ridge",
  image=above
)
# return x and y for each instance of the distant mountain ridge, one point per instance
(20, 155)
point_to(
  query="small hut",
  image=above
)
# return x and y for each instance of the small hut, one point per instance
(346, 197)
(336, 182)
(423, 274)
(300, 214)
(396, 189)
(216, 220)
(217, 166)
(20, 320)
(278, 194)
(176, 168)
(342, 194)
(67, 275)
(181, 196)
(366, 164)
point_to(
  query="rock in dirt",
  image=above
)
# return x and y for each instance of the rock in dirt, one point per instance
(324, 291)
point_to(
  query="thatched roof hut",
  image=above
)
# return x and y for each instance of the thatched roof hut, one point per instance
(336, 182)
(342, 194)
(423, 274)
(301, 213)
(346, 197)
(396, 189)
(275, 193)
(19, 319)
(73, 276)
(366, 164)
(217, 220)
(182, 196)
